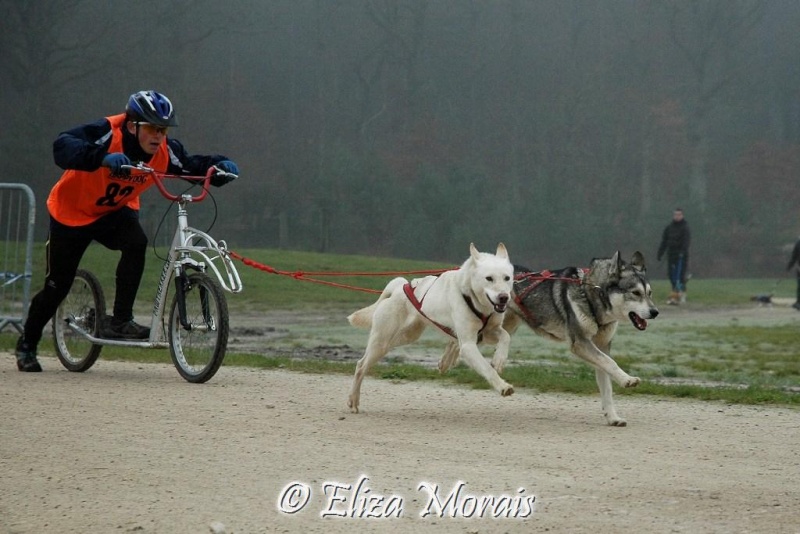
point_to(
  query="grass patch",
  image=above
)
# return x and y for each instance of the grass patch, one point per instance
(707, 358)
(264, 290)
(569, 377)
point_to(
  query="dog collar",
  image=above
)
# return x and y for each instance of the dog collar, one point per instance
(417, 303)
(484, 318)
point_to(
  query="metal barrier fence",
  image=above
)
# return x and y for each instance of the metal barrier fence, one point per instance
(17, 217)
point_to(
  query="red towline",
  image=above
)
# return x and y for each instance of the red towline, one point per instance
(308, 276)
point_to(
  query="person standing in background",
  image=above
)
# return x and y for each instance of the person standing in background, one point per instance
(794, 261)
(675, 241)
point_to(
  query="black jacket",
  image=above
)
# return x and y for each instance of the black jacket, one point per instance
(84, 147)
(675, 240)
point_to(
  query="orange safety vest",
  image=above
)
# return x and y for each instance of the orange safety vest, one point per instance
(81, 197)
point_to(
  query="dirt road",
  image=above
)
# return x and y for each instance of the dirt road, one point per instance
(133, 448)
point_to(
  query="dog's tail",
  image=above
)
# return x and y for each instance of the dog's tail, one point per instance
(363, 317)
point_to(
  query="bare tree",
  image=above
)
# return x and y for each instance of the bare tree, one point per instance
(43, 51)
(711, 36)
(403, 24)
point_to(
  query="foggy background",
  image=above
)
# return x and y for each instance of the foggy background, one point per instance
(567, 129)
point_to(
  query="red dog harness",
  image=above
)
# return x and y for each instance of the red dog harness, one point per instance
(417, 303)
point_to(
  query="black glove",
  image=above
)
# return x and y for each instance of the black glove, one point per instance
(230, 170)
(115, 161)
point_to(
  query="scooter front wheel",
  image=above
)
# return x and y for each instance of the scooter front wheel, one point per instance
(198, 347)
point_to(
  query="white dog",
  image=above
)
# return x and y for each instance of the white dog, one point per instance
(467, 304)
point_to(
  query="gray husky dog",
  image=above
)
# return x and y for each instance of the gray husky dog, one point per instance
(582, 307)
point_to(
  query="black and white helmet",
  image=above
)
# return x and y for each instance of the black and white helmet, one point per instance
(151, 107)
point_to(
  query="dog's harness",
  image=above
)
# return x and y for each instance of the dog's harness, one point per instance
(536, 278)
(417, 303)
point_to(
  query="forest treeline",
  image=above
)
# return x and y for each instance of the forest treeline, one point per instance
(567, 129)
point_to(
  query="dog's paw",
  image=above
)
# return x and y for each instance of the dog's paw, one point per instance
(507, 390)
(352, 404)
(443, 366)
(632, 382)
(612, 418)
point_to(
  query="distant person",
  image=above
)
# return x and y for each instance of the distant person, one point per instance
(675, 242)
(96, 199)
(794, 261)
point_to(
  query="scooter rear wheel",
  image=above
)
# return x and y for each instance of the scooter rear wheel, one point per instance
(84, 307)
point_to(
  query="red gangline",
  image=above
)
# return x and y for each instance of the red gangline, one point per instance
(304, 276)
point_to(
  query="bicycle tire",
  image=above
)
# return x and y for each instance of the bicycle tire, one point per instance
(198, 352)
(85, 305)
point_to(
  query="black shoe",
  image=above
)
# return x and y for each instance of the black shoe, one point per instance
(796, 305)
(115, 329)
(26, 358)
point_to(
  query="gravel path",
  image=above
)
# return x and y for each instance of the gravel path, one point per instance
(133, 448)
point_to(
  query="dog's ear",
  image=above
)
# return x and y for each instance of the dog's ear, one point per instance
(616, 266)
(501, 251)
(637, 262)
(473, 252)
(604, 271)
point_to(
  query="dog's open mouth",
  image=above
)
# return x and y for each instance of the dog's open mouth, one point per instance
(500, 306)
(637, 321)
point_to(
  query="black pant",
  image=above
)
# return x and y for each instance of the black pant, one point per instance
(797, 301)
(66, 245)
